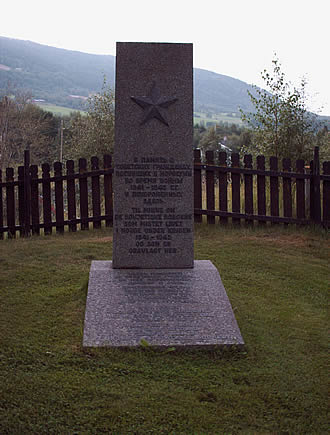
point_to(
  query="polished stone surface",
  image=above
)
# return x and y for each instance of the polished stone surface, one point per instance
(153, 156)
(163, 307)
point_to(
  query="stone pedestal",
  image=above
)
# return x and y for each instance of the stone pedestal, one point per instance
(164, 307)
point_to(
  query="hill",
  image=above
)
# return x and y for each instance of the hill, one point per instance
(50, 73)
(65, 77)
(219, 93)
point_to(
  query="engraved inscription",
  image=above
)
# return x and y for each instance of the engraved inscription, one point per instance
(149, 287)
(150, 182)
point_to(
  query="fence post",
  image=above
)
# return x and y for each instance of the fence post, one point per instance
(315, 191)
(83, 190)
(274, 197)
(236, 188)
(35, 200)
(210, 202)
(59, 208)
(300, 190)
(21, 200)
(287, 190)
(71, 194)
(248, 189)
(223, 187)
(10, 202)
(1, 208)
(326, 196)
(107, 164)
(261, 189)
(96, 204)
(197, 185)
(27, 194)
(46, 199)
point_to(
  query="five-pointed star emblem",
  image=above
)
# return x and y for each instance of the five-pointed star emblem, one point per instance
(154, 104)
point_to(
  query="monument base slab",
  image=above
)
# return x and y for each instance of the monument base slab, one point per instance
(161, 307)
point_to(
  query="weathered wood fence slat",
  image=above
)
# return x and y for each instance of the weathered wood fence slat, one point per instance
(1, 209)
(223, 187)
(71, 194)
(225, 190)
(261, 189)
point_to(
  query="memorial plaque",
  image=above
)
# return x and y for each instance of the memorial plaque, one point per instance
(153, 158)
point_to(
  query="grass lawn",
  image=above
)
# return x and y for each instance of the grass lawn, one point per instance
(277, 281)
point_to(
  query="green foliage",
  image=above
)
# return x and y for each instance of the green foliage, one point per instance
(279, 385)
(281, 124)
(144, 343)
(93, 134)
(323, 142)
(24, 125)
(210, 140)
(232, 135)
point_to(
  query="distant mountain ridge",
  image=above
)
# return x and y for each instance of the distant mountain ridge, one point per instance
(62, 77)
(220, 93)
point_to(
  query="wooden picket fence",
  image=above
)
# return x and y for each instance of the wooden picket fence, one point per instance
(33, 202)
(273, 195)
(41, 199)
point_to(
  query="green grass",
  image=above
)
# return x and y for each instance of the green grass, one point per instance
(277, 281)
(59, 110)
(203, 118)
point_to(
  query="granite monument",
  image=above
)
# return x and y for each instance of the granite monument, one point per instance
(153, 291)
(153, 203)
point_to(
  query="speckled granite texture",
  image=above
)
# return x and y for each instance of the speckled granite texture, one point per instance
(164, 307)
(153, 156)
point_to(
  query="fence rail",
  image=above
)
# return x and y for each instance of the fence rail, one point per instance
(45, 198)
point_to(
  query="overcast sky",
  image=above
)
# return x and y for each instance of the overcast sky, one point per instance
(232, 37)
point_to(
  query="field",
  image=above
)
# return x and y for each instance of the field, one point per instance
(205, 118)
(58, 110)
(199, 117)
(277, 281)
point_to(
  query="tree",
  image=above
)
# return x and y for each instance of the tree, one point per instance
(231, 135)
(24, 125)
(93, 134)
(281, 124)
(209, 141)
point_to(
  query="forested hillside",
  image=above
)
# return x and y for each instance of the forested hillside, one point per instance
(61, 76)
(219, 93)
(51, 73)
